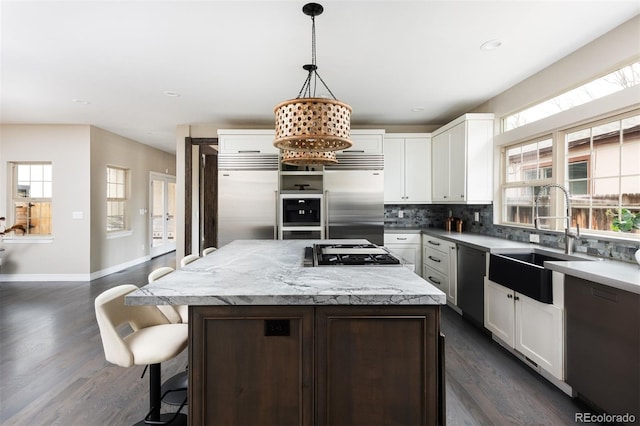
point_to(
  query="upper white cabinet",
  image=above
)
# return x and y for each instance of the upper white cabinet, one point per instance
(365, 141)
(462, 161)
(407, 178)
(247, 142)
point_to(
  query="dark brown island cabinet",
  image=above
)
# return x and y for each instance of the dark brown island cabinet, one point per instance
(603, 347)
(316, 365)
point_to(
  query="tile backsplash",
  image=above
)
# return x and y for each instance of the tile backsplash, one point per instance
(434, 216)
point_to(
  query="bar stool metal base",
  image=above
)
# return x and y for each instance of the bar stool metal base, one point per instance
(154, 416)
(166, 419)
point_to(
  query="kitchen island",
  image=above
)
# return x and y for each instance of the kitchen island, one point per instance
(274, 342)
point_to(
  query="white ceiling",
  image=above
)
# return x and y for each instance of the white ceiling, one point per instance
(233, 61)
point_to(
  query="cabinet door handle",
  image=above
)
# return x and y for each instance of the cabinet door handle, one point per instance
(434, 259)
(434, 280)
(517, 298)
(435, 243)
(509, 296)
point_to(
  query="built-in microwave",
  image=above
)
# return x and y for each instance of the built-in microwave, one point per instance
(301, 211)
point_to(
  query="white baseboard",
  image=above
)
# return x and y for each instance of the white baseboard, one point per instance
(44, 277)
(118, 268)
(73, 277)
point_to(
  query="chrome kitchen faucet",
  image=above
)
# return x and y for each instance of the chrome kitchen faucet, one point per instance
(568, 235)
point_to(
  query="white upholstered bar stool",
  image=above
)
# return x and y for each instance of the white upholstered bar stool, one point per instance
(153, 340)
(208, 250)
(188, 259)
(169, 311)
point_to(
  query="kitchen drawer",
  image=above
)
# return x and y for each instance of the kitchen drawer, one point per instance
(435, 278)
(436, 260)
(402, 238)
(437, 244)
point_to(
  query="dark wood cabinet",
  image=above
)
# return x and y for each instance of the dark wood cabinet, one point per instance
(377, 365)
(251, 365)
(603, 345)
(324, 365)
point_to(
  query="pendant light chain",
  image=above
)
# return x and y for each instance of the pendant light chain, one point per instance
(309, 130)
(305, 90)
(313, 41)
(313, 56)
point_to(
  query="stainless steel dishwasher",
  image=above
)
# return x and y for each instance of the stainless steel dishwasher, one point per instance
(471, 271)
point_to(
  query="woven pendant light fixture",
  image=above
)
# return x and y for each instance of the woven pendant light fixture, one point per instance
(310, 129)
(308, 158)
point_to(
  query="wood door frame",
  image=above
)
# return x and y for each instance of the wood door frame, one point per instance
(188, 189)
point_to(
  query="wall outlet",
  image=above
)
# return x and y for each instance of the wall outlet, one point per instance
(534, 238)
(400, 214)
(476, 216)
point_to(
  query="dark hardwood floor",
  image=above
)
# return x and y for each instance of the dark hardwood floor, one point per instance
(53, 371)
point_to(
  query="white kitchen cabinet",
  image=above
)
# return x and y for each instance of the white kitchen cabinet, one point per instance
(366, 141)
(539, 333)
(246, 142)
(533, 328)
(407, 175)
(462, 161)
(439, 266)
(499, 312)
(406, 246)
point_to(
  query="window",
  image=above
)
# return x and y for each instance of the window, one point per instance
(31, 198)
(604, 171)
(621, 79)
(599, 163)
(526, 167)
(117, 194)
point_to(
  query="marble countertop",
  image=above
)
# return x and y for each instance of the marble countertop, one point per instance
(268, 272)
(613, 273)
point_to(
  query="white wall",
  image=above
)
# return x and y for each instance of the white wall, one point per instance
(108, 149)
(616, 48)
(79, 248)
(66, 254)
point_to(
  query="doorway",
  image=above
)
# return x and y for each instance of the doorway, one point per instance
(163, 213)
(205, 194)
(208, 196)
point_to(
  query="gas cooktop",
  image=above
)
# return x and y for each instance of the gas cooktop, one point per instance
(351, 254)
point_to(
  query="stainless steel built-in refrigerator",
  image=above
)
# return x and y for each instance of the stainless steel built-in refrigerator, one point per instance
(247, 197)
(354, 198)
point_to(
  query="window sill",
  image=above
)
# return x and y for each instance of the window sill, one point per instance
(118, 234)
(40, 239)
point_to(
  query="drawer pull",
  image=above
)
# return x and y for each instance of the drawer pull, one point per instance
(434, 259)
(435, 243)
(434, 280)
(401, 239)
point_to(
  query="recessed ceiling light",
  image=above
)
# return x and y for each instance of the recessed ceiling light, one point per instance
(171, 94)
(417, 109)
(491, 45)
(80, 101)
